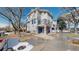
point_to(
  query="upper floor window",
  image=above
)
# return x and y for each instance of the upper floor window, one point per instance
(33, 21)
(28, 22)
(39, 21)
(45, 21)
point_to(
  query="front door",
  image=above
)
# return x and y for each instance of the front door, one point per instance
(40, 29)
(48, 29)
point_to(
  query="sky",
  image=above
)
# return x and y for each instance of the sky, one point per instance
(55, 11)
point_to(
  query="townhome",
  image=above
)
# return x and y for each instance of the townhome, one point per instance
(40, 21)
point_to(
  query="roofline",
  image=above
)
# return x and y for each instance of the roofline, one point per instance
(40, 10)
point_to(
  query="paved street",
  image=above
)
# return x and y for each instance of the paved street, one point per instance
(56, 44)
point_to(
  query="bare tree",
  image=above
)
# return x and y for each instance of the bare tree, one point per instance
(73, 16)
(13, 15)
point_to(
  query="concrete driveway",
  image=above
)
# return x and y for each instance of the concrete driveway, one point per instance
(56, 44)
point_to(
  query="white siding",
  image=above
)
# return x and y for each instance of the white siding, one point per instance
(43, 17)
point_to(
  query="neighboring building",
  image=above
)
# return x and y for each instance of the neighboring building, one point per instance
(54, 26)
(40, 21)
(69, 20)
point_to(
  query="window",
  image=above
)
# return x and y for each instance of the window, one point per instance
(45, 21)
(39, 21)
(28, 22)
(33, 21)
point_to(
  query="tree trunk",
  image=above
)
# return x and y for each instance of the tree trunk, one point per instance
(14, 32)
(69, 26)
(75, 29)
(19, 33)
